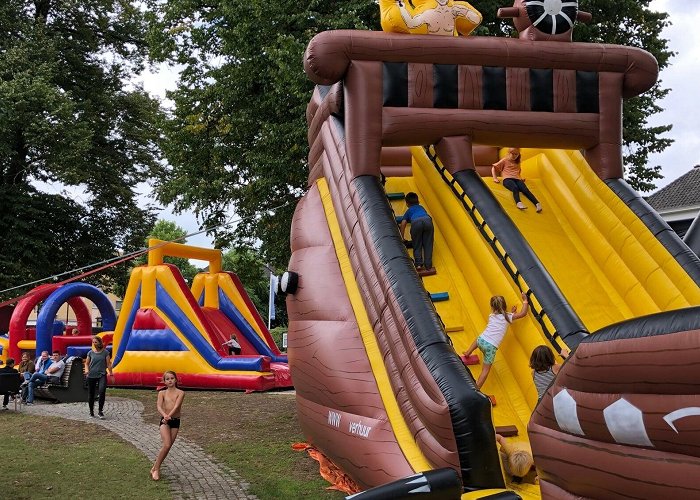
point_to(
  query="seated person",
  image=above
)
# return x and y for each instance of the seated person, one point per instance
(42, 361)
(517, 461)
(233, 346)
(26, 366)
(8, 368)
(52, 374)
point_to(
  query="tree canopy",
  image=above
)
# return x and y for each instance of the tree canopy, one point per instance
(236, 139)
(69, 117)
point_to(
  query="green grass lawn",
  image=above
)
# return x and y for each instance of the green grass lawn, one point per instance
(50, 457)
(253, 435)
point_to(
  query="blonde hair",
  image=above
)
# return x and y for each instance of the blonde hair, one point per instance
(520, 462)
(513, 150)
(498, 306)
(171, 373)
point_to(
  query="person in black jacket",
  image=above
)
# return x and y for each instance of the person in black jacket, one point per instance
(8, 368)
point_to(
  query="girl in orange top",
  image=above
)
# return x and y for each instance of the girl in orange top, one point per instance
(509, 169)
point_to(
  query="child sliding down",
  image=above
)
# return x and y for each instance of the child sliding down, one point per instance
(509, 168)
(495, 331)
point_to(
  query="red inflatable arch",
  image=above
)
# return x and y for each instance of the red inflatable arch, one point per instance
(18, 322)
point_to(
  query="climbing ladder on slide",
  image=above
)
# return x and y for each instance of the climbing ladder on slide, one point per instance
(437, 286)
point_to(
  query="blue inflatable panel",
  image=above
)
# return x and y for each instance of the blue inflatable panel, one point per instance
(155, 340)
(47, 313)
(128, 327)
(165, 303)
(244, 327)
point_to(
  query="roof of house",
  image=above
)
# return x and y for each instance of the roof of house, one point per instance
(683, 192)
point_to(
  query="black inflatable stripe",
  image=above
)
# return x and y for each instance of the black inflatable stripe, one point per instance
(541, 90)
(663, 323)
(439, 483)
(587, 92)
(659, 228)
(494, 88)
(395, 84)
(470, 411)
(504, 495)
(567, 323)
(445, 87)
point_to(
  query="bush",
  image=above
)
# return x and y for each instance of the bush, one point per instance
(277, 333)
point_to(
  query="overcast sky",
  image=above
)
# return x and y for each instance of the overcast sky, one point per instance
(681, 106)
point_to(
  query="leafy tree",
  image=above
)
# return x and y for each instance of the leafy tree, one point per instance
(630, 22)
(169, 231)
(249, 266)
(47, 235)
(237, 137)
(69, 118)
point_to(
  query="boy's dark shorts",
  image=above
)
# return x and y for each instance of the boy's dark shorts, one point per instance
(173, 423)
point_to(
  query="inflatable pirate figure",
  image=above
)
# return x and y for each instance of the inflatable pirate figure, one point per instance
(432, 17)
(551, 20)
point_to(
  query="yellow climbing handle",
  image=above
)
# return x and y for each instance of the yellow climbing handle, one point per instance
(159, 249)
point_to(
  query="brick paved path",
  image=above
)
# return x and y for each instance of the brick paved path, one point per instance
(190, 472)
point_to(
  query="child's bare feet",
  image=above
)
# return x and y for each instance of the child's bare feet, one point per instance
(521, 205)
(538, 208)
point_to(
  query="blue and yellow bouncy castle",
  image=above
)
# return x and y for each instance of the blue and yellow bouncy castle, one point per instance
(166, 326)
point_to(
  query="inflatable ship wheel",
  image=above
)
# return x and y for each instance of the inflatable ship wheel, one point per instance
(552, 17)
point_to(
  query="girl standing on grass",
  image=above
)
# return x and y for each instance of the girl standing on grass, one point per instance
(495, 331)
(169, 404)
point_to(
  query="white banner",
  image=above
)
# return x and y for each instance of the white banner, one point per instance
(271, 302)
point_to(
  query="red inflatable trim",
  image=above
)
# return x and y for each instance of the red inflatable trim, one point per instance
(195, 381)
(62, 342)
(18, 322)
(148, 319)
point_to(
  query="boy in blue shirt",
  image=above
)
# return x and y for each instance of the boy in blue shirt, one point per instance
(422, 233)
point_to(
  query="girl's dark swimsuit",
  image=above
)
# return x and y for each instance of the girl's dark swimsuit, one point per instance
(173, 423)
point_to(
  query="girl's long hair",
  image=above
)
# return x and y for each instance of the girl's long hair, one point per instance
(498, 306)
(517, 158)
(99, 344)
(173, 374)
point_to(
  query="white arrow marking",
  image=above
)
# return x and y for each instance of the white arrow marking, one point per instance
(679, 414)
